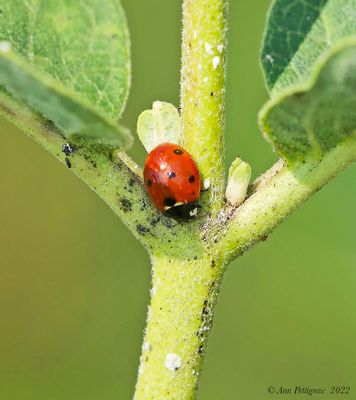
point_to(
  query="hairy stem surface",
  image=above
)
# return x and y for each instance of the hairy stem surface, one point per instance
(114, 178)
(179, 320)
(186, 283)
(277, 195)
(203, 89)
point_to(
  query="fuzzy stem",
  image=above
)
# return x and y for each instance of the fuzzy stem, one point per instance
(203, 89)
(115, 178)
(179, 319)
(277, 195)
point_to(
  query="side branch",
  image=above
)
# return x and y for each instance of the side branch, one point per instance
(277, 196)
(115, 181)
(202, 90)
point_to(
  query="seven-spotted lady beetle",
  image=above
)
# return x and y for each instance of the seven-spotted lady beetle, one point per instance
(172, 181)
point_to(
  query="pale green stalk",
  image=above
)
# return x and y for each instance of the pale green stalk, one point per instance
(278, 194)
(186, 279)
(187, 270)
(203, 90)
(179, 319)
(188, 259)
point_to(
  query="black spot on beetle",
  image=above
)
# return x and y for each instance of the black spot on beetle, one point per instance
(171, 175)
(126, 204)
(149, 182)
(169, 201)
(68, 163)
(142, 230)
(191, 179)
(179, 152)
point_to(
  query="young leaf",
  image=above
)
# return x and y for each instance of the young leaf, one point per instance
(159, 125)
(71, 114)
(298, 32)
(238, 181)
(309, 120)
(81, 44)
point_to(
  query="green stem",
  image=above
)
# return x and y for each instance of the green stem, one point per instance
(186, 277)
(114, 179)
(277, 195)
(179, 319)
(203, 89)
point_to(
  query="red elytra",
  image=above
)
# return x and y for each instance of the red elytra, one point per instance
(172, 181)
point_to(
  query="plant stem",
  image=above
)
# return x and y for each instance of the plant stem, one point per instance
(277, 195)
(114, 180)
(186, 281)
(179, 319)
(203, 89)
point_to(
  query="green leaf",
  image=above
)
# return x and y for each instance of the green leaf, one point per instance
(159, 125)
(298, 32)
(75, 52)
(71, 114)
(310, 120)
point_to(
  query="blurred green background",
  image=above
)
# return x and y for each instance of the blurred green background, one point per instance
(74, 284)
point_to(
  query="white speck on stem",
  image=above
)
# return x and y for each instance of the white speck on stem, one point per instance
(269, 58)
(208, 48)
(5, 47)
(140, 369)
(220, 48)
(153, 291)
(173, 362)
(207, 183)
(216, 62)
(146, 346)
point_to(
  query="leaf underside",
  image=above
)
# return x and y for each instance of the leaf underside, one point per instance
(75, 55)
(311, 120)
(297, 33)
(309, 61)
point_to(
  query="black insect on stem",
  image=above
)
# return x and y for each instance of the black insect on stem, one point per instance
(67, 149)
(68, 163)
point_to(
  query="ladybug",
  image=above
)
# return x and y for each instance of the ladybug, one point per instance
(172, 181)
